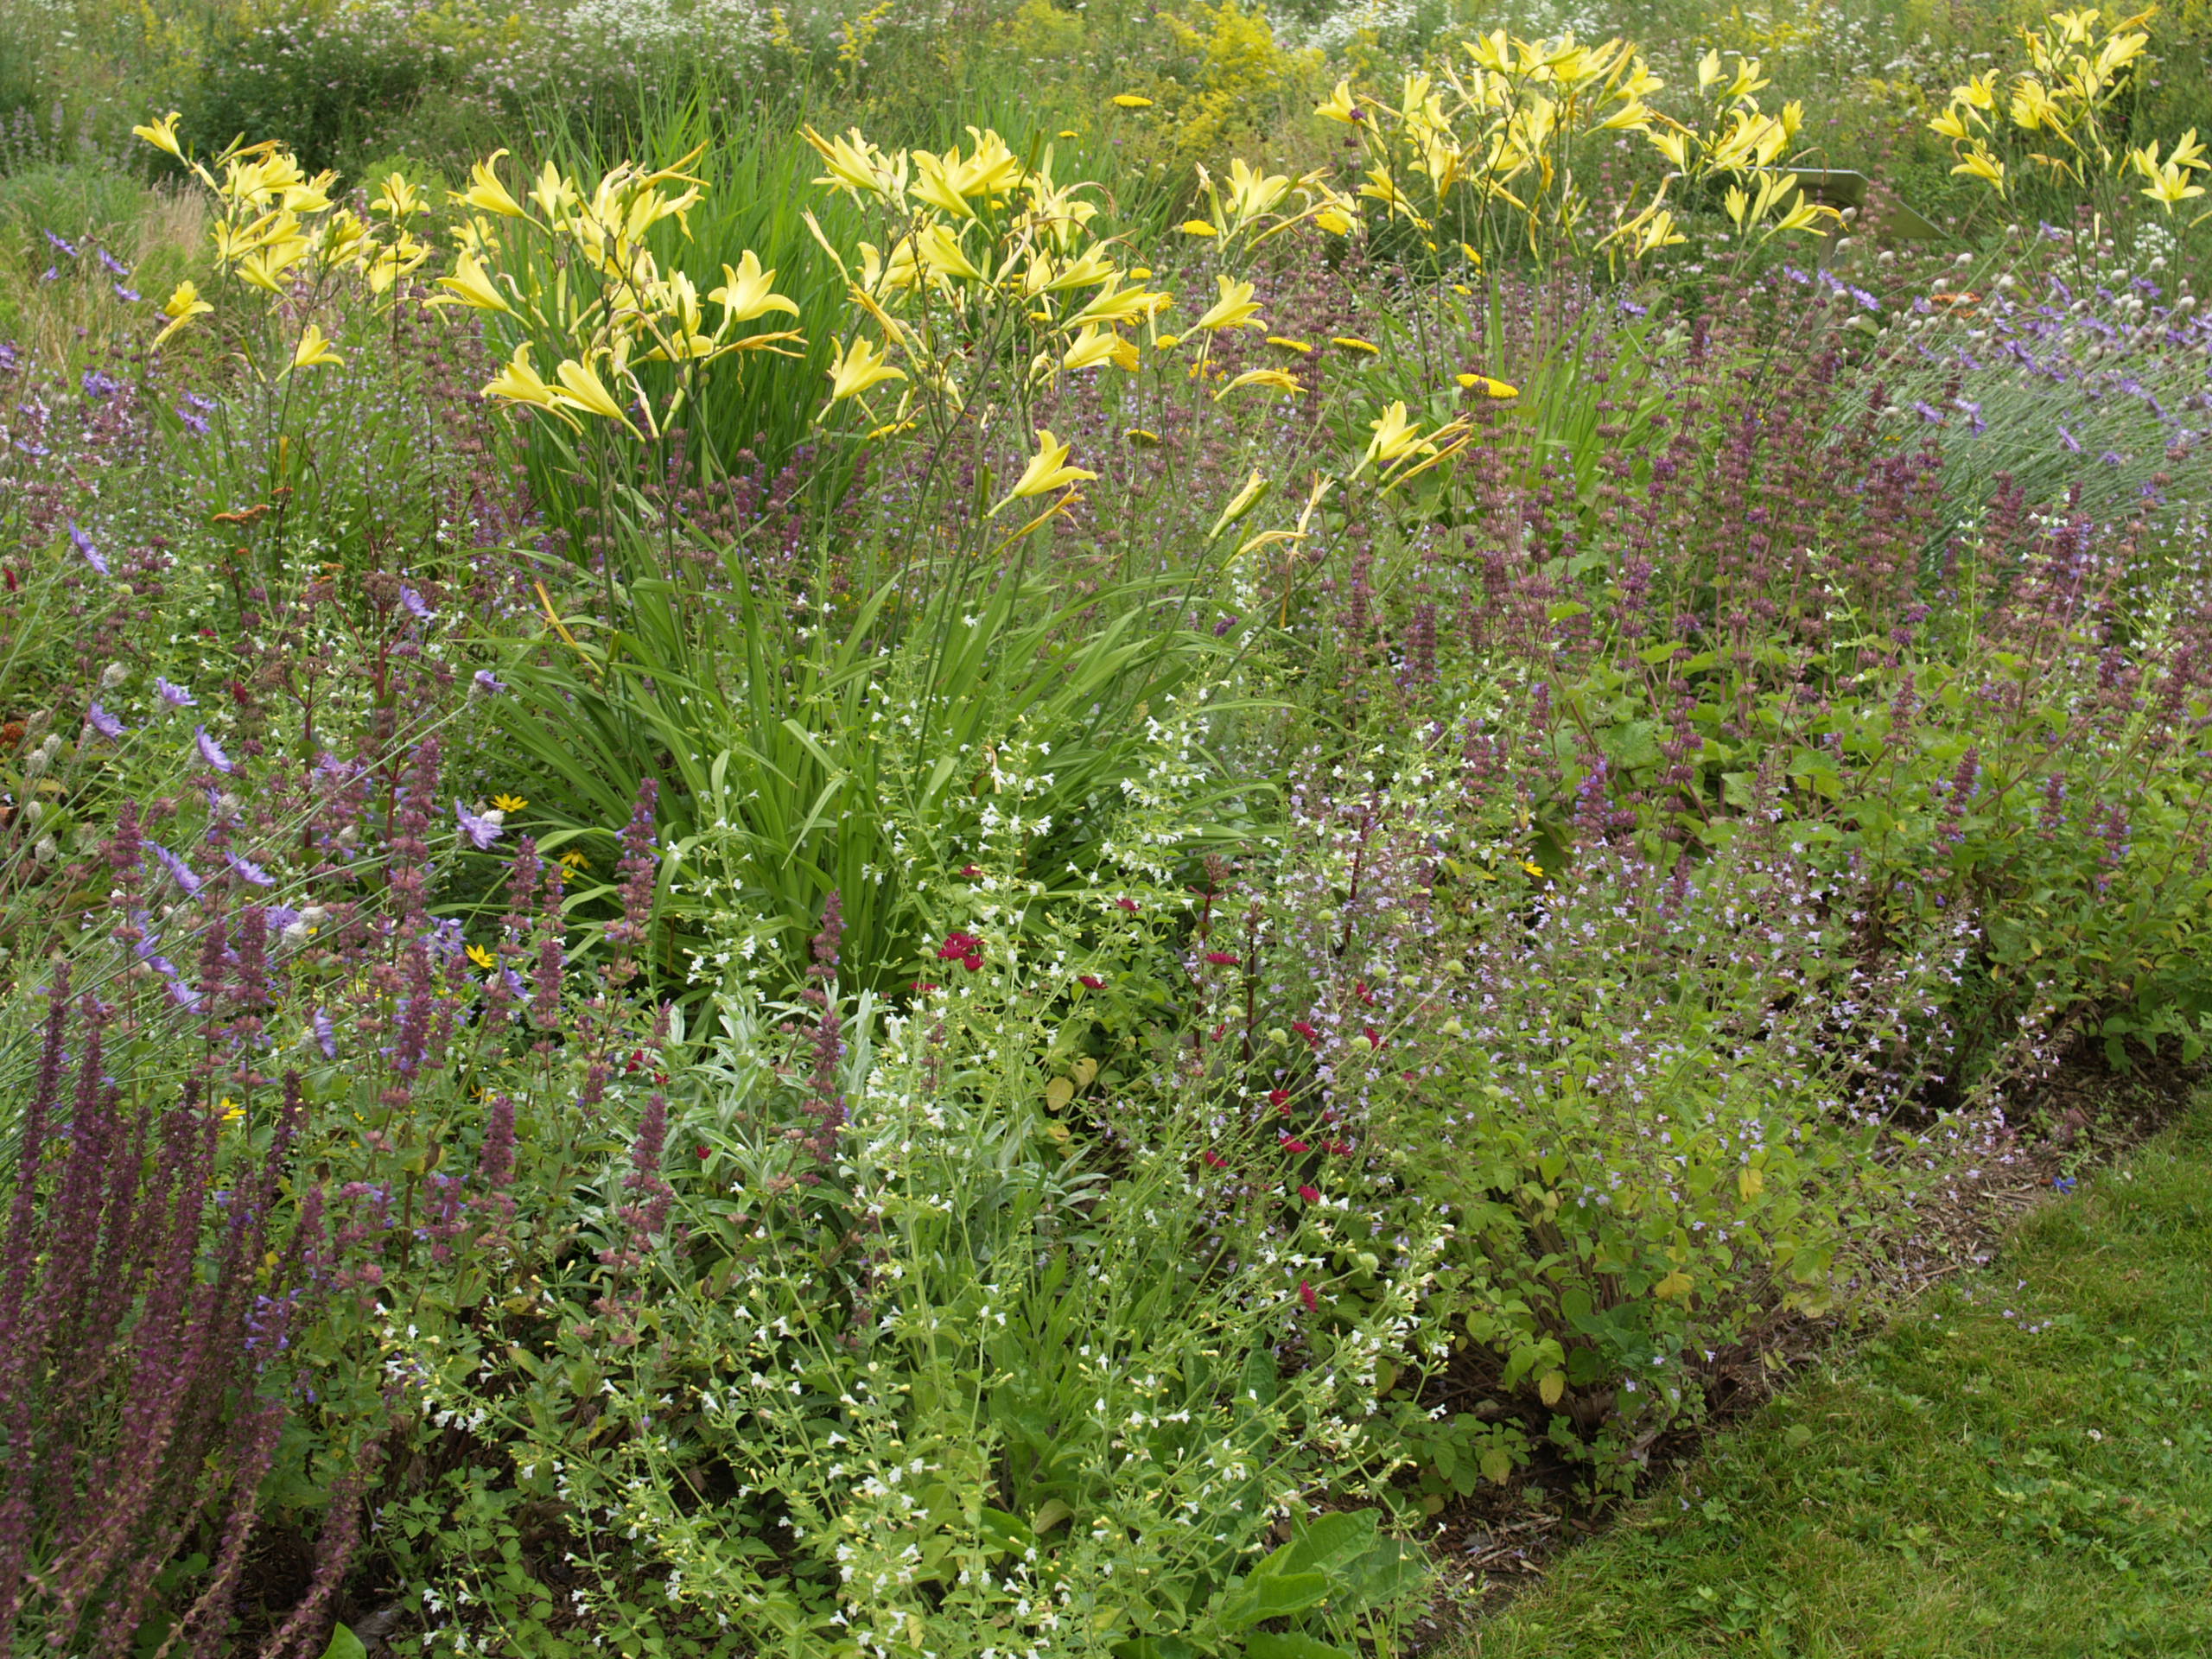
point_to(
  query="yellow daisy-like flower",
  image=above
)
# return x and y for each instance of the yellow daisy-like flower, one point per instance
(1131, 101)
(1168, 343)
(482, 958)
(509, 803)
(1488, 387)
(1286, 343)
(1352, 343)
(231, 1110)
(573, 860)
(1533, 867)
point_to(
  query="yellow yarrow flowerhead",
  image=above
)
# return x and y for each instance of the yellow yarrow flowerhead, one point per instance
(1131, 101)
(1488, 387)
(1199, 227)
(1047, 470)
(1283, 342)
(1352, 343)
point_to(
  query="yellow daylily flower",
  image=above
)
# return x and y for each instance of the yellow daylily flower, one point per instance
(582, 389)
(1982, 165)
(183, 305)
(1240, 504)
(1094, 347)
(1274, 380)
(748, 292)
(161, 134)
(1047, 470)
(858, 366)
(485, 193)
(314, 348)
(1236, 308)
(1340, 106)
(472, 285)
(397, 199)
(1396, 437)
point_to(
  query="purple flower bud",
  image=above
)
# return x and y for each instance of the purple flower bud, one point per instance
(84, 545)
(175, 696)
(103, 722)
(211, 752)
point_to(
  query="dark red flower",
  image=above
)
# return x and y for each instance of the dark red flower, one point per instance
(1130, 904)
(1280, 1099)
(1220, 958)
(1375, 1038)
(1291, 1143)
(1090, 982)
(924, 986)
(1359, 990)
(1310, 1194)
(1312, 1036)
(704, 1153)
(970, 871)
(1214, 1160)
(972, 961)
(1305, 1295)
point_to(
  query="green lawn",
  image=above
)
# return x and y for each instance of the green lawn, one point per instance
(2021, 1467)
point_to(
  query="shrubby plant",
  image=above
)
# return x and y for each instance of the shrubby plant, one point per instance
(1205, 898)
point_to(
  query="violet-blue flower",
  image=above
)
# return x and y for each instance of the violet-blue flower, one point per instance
(489, 683)
(481, 830)
(175, 696)
(83, 544)
(211, 752)
(103, 722)
(246, 870)
(177, 868)
(413, 601)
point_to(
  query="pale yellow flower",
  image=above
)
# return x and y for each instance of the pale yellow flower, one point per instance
(184, 305)
(749, 292)
(857, 367)
(161, 134)
(313, 349)
(1047, 470)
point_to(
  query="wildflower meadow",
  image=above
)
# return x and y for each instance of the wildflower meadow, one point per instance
(974, 830)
